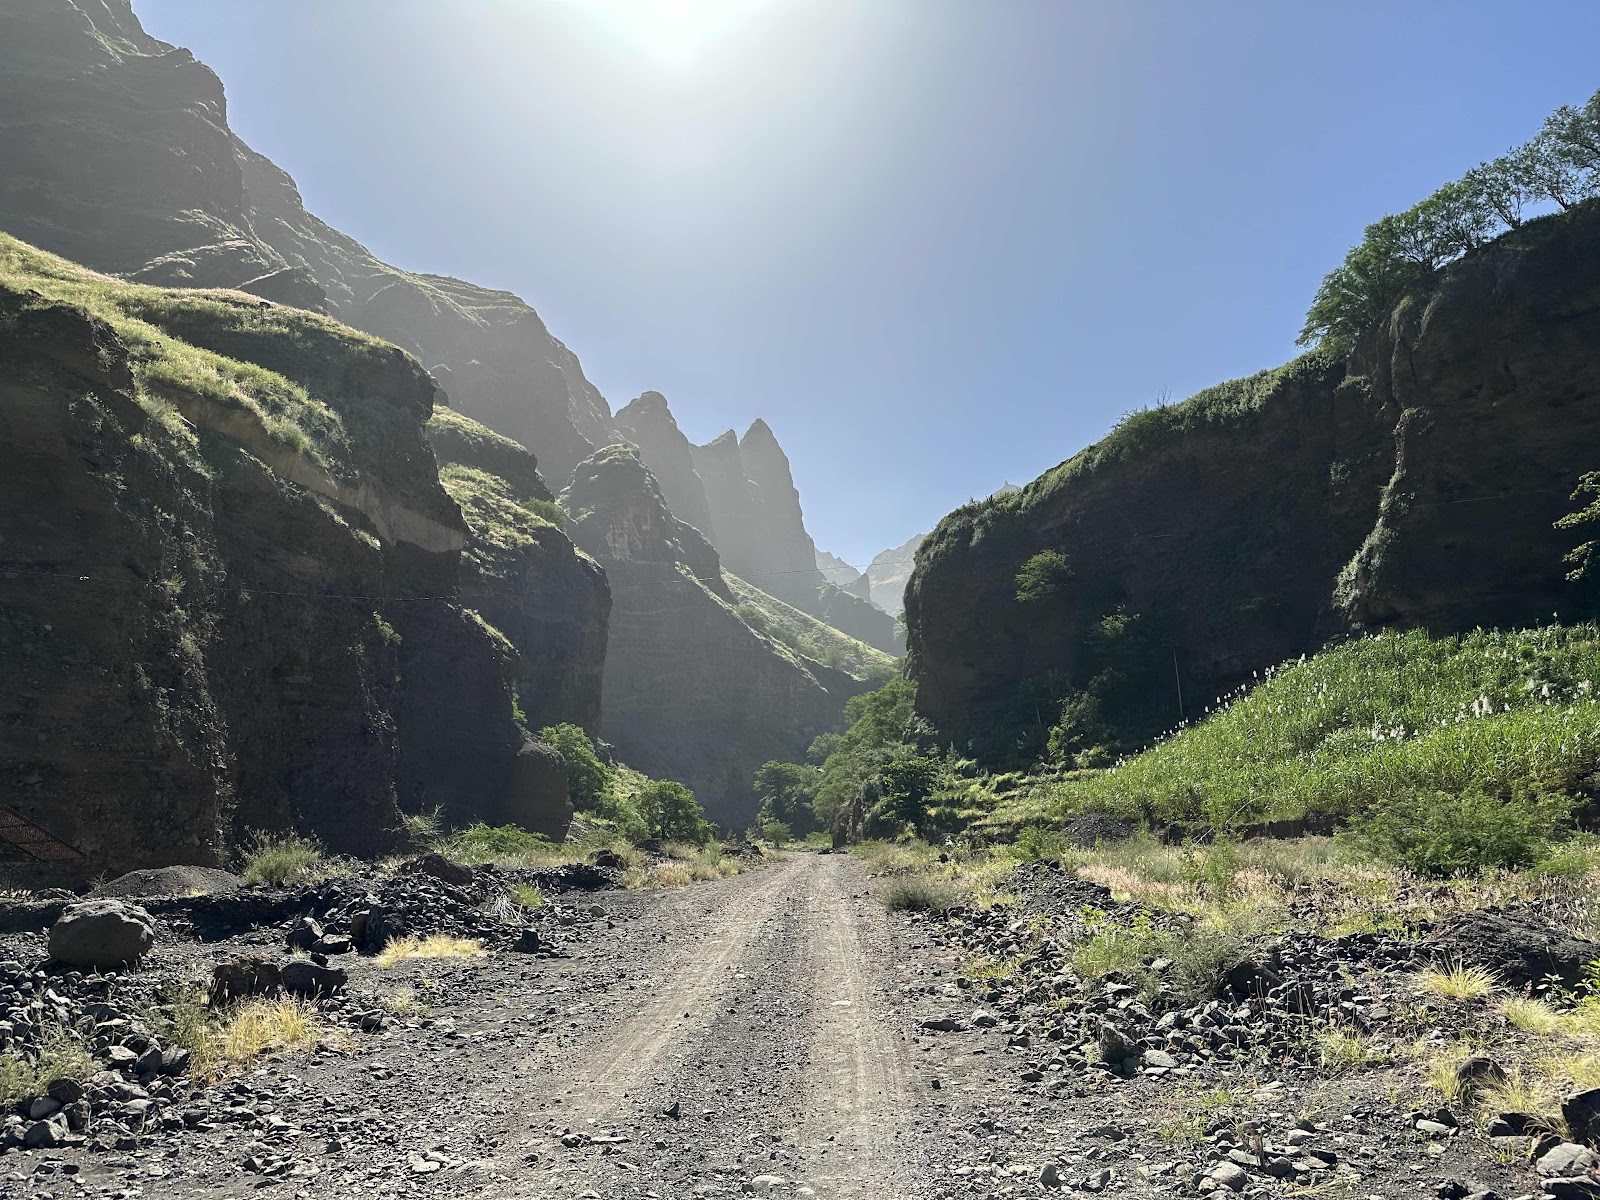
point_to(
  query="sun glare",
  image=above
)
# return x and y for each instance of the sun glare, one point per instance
(673, 33)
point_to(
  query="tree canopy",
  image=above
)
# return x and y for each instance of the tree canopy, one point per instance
(1559, 166)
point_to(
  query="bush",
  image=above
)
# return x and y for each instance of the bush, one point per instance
(774, 832)
(1440, 834)
(588, 779)
(671, 813)
(1042, 575)
(923, 893)
(482, 843)
(280, 859)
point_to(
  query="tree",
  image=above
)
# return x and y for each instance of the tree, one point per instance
(1506, 185)
(1575, 133)
(1458, 218)
(671, 813)
(1549, 161)
(1583, 559)
(588, 779)
(1358, 294)
(905, 786)
(786, 791)
(1042, 576)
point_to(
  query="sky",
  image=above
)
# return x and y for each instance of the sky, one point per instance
(937, 245)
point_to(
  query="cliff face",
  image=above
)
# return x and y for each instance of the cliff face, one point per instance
(888, 572)
(648, 424)
(692, 692)
(118, 155)
(224, 554)
(761, 534)
(523, 575)
(1414, 485)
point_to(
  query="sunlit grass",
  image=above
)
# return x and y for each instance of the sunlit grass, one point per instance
(1358, 724)
(1457, 981)
(433, 945)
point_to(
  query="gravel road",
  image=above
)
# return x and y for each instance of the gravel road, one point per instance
(734, 1036)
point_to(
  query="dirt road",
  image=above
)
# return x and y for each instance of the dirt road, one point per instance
(766, 1029)
(734, 1036)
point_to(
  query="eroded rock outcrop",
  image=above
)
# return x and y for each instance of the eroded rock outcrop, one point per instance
(692, 693)
(522, 573)
(227, 582)
(1415, 484)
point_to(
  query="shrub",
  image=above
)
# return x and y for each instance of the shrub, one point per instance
(1442, 834)
(280, 859)
(1036, 842)
(773, 832)
(588, 779)
(671, 813)
(1042, 575)
(61, 1055)
(482, 843)
(924, 893)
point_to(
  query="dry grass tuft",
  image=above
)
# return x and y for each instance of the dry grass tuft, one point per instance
(435, 945)
(1457, 981)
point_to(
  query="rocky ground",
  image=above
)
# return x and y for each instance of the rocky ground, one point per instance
(777, 1032)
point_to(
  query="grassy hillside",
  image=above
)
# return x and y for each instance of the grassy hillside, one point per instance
(1370, 724)
(805, 635)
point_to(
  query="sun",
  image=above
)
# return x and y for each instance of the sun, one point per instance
(672, 33)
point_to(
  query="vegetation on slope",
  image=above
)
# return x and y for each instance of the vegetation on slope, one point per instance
(1380, 723)
(164, 329)
(806, 635)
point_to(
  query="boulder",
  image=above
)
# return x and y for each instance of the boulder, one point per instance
(1582, 1115)
(101, 934)
(1520, 947)
(440, 868)
(302, 977)
(242, 976)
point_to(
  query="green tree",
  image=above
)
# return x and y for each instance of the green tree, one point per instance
(671, 813)
(1358, 294)
(1507, 186)
(905, 787)
(588, 779)
(1583, 558)
(786, 791)
(1042, 575)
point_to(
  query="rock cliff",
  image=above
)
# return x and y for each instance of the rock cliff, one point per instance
(888, 572)
(523, 575)
(228, 581)
(118, 155)
(648, 424)
(692, 692)
(1415, 484)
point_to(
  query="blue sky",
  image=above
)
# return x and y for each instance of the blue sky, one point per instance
(936, 244)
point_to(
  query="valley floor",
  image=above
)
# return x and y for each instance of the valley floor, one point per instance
(757, 1034)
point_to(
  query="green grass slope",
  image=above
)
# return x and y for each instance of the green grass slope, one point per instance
(1370, 724)
(807, 636)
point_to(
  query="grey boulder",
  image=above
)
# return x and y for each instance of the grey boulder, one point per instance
(102, 933)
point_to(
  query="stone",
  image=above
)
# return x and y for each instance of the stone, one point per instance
(1115, 1046)
(1229, 1175)
(608, 859)
(1521, 947)
(1050, 1176)
(307, 932)
(243, 976)
(440, 867)
(529, 942)
(1576, 1187)
(1158, 1058)
(1566, 1159)
(102, 934)
(1582, 1115)
(42, 1107)
(304, 978)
